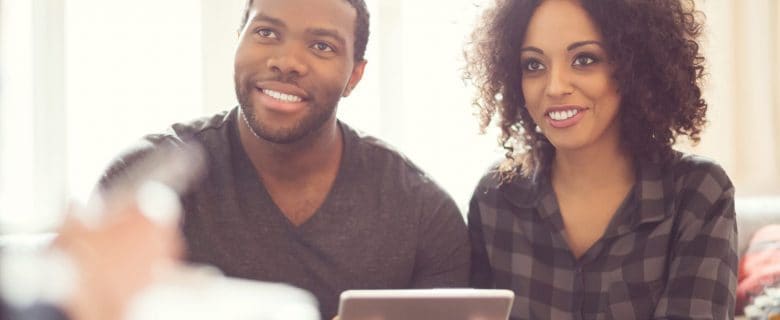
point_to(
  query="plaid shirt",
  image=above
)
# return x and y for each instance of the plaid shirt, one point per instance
(670, 251)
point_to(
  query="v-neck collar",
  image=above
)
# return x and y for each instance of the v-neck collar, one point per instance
(254, 194)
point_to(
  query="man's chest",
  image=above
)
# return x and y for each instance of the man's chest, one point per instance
(344, 247)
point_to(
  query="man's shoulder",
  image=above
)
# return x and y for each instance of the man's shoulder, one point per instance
(197, 130)
(377, 156)
(199, 127)
(381, 168)
(181, 132)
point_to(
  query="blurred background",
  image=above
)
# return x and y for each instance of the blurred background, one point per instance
(82, 79)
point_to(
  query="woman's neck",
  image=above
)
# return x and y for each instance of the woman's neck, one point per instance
(596, 167)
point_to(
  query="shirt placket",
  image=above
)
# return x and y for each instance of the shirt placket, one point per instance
(579, 290)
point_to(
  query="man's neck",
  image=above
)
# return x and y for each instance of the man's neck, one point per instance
(317, 153)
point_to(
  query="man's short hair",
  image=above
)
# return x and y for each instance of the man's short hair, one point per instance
(361, 25)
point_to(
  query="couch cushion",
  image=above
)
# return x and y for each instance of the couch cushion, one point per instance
(754, 213)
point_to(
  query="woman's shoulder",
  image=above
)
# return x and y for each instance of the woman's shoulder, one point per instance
(497, 180)
(692, 170)
(701, 187)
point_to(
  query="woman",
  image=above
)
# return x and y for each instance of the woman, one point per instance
(593, 215)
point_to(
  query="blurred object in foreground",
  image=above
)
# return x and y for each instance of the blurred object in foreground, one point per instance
(759, 275)
(203, 294)
(765, 306)
(154, 183)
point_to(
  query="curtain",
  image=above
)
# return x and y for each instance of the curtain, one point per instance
(741, 46)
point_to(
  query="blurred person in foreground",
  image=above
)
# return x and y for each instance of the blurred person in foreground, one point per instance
(98, 267)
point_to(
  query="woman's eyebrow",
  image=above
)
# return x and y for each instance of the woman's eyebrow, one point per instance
(583, 43)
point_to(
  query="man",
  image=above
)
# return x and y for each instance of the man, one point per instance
(293, 195)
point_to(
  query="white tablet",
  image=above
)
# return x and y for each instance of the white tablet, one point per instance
(426, 304)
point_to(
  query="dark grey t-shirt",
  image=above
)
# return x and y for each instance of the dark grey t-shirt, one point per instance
(384, 224)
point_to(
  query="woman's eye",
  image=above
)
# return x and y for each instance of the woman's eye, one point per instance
(533, 65)
(322, 46)
(584, 60)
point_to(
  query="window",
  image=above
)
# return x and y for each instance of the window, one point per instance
(31, 114)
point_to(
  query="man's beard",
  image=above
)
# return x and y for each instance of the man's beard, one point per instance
(314, 119)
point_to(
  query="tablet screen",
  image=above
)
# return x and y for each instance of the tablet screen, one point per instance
(426, 304)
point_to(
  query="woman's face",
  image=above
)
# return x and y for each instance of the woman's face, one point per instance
(567, 78)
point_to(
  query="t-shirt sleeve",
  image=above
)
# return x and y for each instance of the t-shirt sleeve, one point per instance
(443, 248)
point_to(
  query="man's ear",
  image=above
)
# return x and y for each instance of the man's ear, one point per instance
(354, 78)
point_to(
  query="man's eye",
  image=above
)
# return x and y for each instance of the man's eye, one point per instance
(322, 46)
(266, 33)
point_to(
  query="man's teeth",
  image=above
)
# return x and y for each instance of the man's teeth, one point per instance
(563, 115)
(282, 96)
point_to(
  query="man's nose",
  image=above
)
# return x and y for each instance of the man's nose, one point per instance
(288, 63)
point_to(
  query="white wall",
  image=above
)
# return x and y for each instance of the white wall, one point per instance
(437, 128)
(741, 46)
(219, 27)
(132, 68)
(117, 70)
(16, 122)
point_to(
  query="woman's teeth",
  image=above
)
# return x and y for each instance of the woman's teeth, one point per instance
(563, 115)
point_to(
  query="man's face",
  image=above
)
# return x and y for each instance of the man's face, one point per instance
(293, 63)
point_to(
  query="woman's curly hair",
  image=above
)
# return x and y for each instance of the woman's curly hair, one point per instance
(658, 68)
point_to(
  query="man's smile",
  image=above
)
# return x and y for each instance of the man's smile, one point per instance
(282, 96)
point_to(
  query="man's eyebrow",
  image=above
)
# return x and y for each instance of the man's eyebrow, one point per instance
(583, 43)
(265, 18)
(330, 33)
